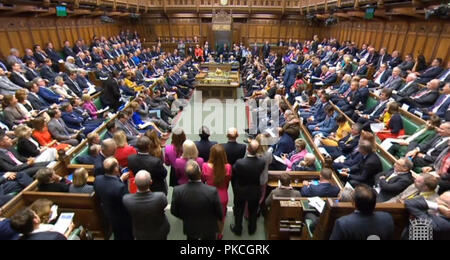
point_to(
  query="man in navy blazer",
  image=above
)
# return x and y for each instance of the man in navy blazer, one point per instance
(424, 98)
(440, 220)
(441, 105)
(290, 75)
(365, 223)
(204, 145)
(432, 72)
(110, 189)
(347, 145)
(368, 168)
(370, 114)
(323, 189)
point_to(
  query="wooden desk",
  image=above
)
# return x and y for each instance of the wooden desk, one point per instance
(221, 87)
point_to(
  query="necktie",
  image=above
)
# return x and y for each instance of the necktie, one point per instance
(423, 93)
(436, 144)
(439, 104)
(405, 87)
(13, 158)
(62, 126)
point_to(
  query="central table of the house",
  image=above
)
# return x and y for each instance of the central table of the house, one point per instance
(217, 80)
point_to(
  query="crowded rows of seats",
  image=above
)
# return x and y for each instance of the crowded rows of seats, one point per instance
(59, 109)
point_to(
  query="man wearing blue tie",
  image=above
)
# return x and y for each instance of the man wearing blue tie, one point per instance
(441, 105)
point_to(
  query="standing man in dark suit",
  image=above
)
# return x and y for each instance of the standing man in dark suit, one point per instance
(367, 169)
(198, 205)
(266, 50)
(440, 220)
(144, 161)
(204, 145)
(395, 181)
(290, 75)
(234, 150)
(111, 93)
(364, 223)
(247, 188)
(147, 210)
(110, 188)
(108, 149)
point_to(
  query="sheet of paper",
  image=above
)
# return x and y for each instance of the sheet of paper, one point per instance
(279, 159)
(317, 203)
(349, 186)
(377, 127)
(64, 221)
(405, 107)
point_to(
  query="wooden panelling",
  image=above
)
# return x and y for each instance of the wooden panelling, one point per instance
(24, 32)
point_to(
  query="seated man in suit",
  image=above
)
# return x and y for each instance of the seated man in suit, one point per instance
(30, 70)
(144, 161)
(71, 82)
(380, 76)
(362, 69)
(76, 121)
(12, 161)
(110, 189)
(427, 153)
(425, 97)
(324, 188)
(47, 71)
(408, 89)
(347, 145)
(307, 164)
(394, 81)
(198, 205)
(285, 190)
(12, 183)
(440, 216)
(17, 76)
(358, 100)
(424, 186)
(441, 105)
(365, 223)
(430, 73)
(370, 115)
(27, 221)
(60, 131)
(46, 93)
(7, 87)
(368, 168)
(394, 181)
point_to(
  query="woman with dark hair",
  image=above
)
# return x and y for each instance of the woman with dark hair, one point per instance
(420, 64)
(343, 130)
(393, 122)
(44, 137)
(217, 173)
(174, 151)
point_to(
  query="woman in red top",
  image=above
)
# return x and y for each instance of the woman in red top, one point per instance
(123, 149)
(43, 136)
(199, 54)
(217, 173)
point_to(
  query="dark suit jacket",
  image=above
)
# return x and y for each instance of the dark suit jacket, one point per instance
(246, 178)
(409, 91)
(61, 186)
(425, 147)
(419, 208)
(198, 205)
(290, 74)
(48, 235)
(31, 74)
(15, 78)
(429, 74)
(321, 190)
(358, 226)
(347, 146)
(154, 166)
(235, 151)
(37, 102)
(368, 168)
(68, 52)
(204, 148)
(148, 216)
(77, 90)
(111, 94)
(427, 100)
(362, 71)
(393, 187)
(26, 148)
(110, 190)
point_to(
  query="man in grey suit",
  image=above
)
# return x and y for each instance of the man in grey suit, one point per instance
(7, 87)
(60, 131)
(131, 132)
(198, 205)
(146, 209)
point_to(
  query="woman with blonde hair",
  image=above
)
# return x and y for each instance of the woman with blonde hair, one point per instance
(217, 173)
(89, 106)
(79, 184)
(62, 89)
(43, 209)
(155, 144)
(123, 149)
(28, 147)
(190, 152)
(297, 155)
(12, 111)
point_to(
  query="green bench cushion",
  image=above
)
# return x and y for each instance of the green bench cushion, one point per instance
(371, 102)
(409, 126)
(386, 164)
(98, 103)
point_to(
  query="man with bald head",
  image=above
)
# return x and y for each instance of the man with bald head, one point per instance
(425, 97)
(439, 216)
(146, 209)
(247, 188)
(110, 189)
(108, 148)
(408, 89)
(234, 149)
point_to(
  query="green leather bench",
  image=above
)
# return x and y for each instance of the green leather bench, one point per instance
(409, 126)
